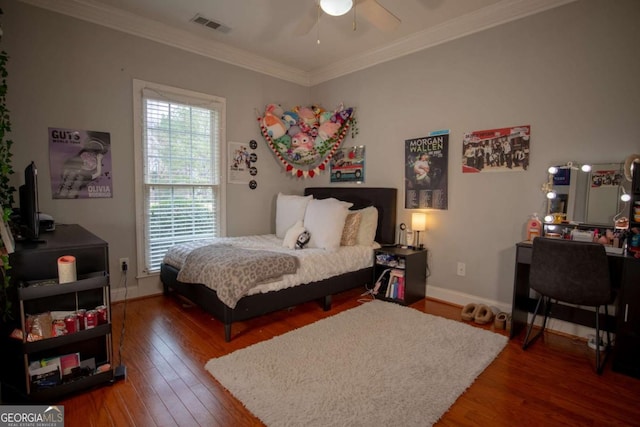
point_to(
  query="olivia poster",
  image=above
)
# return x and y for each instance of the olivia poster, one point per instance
(80, 163)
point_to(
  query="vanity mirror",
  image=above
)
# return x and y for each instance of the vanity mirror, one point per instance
(583, 193)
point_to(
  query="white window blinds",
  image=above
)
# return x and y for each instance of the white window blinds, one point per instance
(181, 171)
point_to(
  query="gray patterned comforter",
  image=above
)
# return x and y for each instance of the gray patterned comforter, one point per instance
(233, 271)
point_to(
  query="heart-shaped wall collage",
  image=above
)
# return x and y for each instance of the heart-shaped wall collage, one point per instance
(305, 138)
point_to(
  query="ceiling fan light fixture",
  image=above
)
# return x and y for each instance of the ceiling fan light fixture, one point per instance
(336, 7)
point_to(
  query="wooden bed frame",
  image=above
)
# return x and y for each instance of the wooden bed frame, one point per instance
(384, 199)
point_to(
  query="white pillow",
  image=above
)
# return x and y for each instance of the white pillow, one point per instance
(324, 220)
(292, 235)
(289, 210)
(368, 226)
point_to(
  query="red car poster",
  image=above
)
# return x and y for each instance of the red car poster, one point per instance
(347, 164)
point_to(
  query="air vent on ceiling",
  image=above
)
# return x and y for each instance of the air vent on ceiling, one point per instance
(199, 19)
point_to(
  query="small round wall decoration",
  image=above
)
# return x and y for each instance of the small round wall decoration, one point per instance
(253, 184)
(253, 171)
(253, 144)
(253, 157)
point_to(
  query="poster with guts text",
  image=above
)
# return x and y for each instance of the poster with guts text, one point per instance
(425, 180)
(80, 163)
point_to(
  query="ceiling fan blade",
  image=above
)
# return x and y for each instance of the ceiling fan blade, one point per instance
(378, 15)
(308, 21)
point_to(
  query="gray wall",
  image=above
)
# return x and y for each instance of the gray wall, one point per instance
(571, 73)
(68, 73)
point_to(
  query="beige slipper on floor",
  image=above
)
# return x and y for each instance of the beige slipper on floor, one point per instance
(483, 315)
(469, 311)
(500, 321)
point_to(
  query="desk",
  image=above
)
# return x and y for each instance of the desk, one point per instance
(625, 278)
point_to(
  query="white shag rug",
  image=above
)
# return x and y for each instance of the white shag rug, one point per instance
(378, 364)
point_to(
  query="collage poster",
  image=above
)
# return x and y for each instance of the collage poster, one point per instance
(239, 163)
(425, 180)
(80, 163)
(496, 150)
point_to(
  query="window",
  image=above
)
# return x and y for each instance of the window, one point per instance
(179, 173)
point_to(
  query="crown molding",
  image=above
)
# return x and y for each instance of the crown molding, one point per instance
(485, 18)
(120, 20)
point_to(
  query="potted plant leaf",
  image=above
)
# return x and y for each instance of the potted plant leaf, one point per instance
(6, 189)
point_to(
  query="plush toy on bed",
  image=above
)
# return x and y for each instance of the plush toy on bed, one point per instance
(303, 239)
(295, 236)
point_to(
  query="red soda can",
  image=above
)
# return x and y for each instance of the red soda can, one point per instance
(81, 315)
(71, 323)
(102, 314)
(91, 319)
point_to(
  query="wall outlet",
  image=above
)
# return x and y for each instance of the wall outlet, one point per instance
(122, 262)
(462, 269)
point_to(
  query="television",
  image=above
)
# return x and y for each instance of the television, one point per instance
(29, 213)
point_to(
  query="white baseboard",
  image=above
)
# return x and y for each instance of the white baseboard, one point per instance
(151, 286)
(462, 299)
(146, 286)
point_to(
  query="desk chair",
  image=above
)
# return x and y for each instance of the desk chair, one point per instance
(572, 272)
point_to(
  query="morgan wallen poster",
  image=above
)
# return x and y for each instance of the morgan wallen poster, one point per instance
(425, 181)
(80, 163)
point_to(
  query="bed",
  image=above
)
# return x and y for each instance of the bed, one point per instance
(256, 304)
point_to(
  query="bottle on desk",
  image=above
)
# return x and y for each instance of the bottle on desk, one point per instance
(534, 227)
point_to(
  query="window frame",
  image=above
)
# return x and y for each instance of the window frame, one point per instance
(187, 97)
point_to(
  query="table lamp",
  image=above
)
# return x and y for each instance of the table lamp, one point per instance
(418, 224)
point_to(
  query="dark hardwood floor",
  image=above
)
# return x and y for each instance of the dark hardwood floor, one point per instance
(168, 342)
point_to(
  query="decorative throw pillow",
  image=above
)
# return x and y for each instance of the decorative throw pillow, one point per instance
(368, 226)
(292, 234)
(289, 210)
(350, 231)
(324, 220)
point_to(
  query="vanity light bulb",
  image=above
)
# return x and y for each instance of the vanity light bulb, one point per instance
(551, 195)
(553, 170)
(625, 197)
(586, 168)
(548, 218)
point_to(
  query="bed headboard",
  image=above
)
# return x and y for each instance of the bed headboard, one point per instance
(384, 199)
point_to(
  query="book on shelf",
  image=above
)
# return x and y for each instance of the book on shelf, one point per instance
(391, 287)
(45, 375)
(395, 288)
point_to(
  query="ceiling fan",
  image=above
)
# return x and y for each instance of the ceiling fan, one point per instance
(372, 11)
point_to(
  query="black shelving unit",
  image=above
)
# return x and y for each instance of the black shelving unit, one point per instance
(34, 272)
(627, 345)
(410, 264)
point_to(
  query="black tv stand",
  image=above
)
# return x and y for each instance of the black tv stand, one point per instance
(30, 242)
(34, 275)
